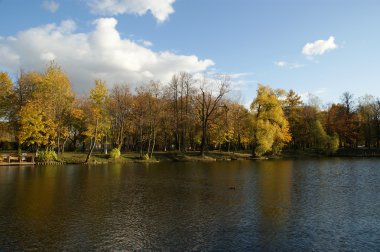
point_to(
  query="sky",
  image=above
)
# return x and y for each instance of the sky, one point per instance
(319, 47)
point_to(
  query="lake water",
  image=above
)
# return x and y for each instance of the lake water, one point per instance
(281, 205)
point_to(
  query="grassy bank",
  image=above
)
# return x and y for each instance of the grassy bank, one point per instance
(134, 157)
(174, 156)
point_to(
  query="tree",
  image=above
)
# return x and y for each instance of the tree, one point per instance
(348, 101)
(97, 121)
(58, 99)
(207, 103)
(6, 92)
(292, 109)
(346, 125)
(179, 93)
(270, 124)
(36, 128)
(150, 95)
(120, 110)
(367, 114)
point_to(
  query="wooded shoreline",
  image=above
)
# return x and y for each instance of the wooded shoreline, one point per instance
(40, 113)
(213, 156)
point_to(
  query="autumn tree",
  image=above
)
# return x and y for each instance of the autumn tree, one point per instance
(346, 125)
(208, 101)
(238, 122)
(97, 121)
(271, 129)
(369, 116)
(6, 93)
(120, 111)
(376, 121)
(151, 95)
(58, 99)
(179, 92)
(36, 127)
(292, 109)
(75, 121)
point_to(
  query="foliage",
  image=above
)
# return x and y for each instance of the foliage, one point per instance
(40, 110)
(146, 156)
(36, 128)
(271, 128)
(97, 122)
(5, 94)
(115, 153)
(46, 156)
(333, 144)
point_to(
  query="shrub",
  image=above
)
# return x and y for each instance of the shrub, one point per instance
(146, 157)
(115, 153)
(46, 156)
(333, 144)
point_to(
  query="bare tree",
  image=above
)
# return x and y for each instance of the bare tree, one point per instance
(120, 109)
(208, 100)
(348, 101)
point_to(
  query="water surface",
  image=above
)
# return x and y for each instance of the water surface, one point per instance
(282, 205)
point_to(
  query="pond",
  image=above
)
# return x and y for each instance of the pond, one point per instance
(275, 205)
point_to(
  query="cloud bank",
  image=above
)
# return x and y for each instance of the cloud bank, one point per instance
(160, 9)
(319, 47)
(102, 53)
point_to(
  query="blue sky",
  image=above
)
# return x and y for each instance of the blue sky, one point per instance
(253, 40)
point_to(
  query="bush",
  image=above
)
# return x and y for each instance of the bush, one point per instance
(115, 153)
(146, 157)
(333, 144)
(46, 156)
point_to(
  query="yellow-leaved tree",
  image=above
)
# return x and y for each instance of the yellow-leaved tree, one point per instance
(97, 119)
(58, 99)
(5, 94)
(271, 128)
(36, 128)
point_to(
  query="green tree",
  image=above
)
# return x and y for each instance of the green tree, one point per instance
(292, 110)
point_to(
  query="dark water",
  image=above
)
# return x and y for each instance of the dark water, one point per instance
(306, 205)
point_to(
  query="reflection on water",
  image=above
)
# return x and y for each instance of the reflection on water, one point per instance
(264, 205)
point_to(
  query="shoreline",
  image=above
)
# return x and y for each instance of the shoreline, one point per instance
(212, 156)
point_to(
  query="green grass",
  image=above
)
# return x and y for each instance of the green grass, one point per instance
(170, 156)
(134, 157)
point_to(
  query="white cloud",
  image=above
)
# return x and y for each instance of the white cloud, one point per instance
(51, 6)
(319, 47)
(160, 9)
(284, 64)
(102, 53)
(280, 63)
(47, 56)
(147, 43)
(239, 75)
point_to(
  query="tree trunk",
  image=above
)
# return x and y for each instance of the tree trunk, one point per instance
(203, 144)
(63, 145)
(153, 143)
(93, 142)
(58, 147)
(141, 147)
(90, 151)
(149, 141)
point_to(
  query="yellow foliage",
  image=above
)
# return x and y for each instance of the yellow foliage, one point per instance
(5, 93)
(271, 128)
(35, 127)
